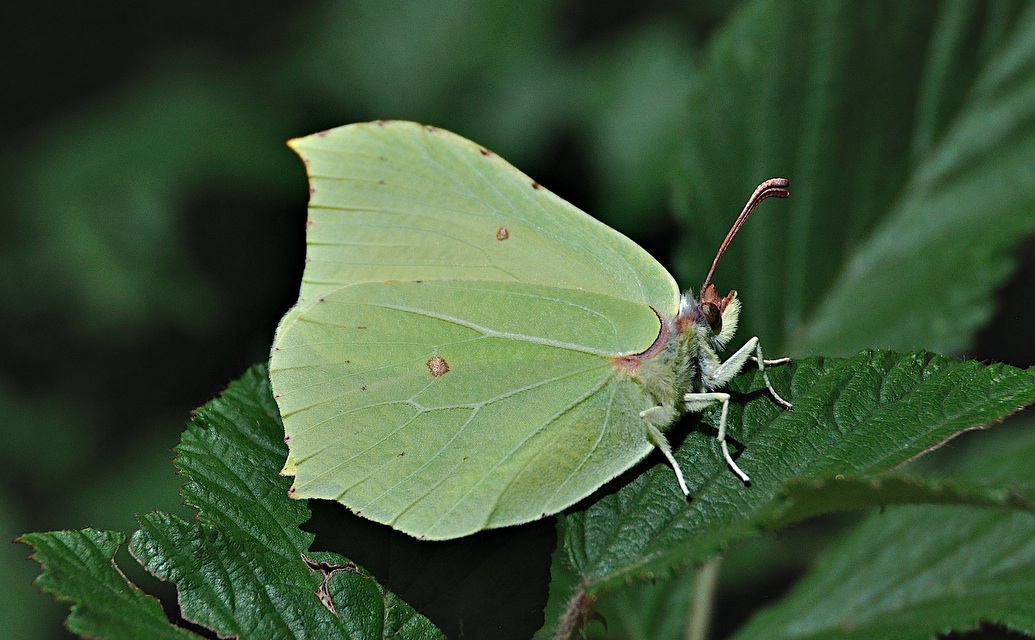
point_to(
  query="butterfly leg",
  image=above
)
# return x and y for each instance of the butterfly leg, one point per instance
(663, 414)
(770, 362)
(715, 374)
(697, 402)
(762, 364)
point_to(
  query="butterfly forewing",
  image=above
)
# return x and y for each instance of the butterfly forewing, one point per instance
(401, 201)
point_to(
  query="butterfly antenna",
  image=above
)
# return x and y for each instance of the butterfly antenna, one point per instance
(772, 187)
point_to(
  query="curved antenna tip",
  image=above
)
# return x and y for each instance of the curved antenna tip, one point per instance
(771, 188)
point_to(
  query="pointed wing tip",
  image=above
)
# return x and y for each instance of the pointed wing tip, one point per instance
(301, 142)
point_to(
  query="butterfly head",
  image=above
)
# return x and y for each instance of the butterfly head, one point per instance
(712, 318)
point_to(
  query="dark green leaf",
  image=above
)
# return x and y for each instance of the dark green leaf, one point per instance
(242, 569)
(862, 415)
(79, 567)
(806, 498)
(24, 612)
(911, 572)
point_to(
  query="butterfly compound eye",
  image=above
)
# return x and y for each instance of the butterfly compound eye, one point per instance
(712, 315)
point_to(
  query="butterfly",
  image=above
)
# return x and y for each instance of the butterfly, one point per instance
(470, 351)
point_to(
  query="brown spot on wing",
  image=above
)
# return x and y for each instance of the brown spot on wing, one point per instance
(438, 366)
(502, 234)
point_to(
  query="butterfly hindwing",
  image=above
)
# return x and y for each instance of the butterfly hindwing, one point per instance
(443, 408)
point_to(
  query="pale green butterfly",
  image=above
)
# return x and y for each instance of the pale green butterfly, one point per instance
(470, 351)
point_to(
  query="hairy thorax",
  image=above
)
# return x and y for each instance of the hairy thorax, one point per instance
(667, 369)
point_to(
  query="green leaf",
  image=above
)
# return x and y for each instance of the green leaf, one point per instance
(915, 571)
(352, 591)
(862, 415)
(243, 569)
(247, 539)
(646, 611)
(79, 567)
(804, 499)
(907, 131)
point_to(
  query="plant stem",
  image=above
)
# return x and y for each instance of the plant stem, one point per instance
(699, 615)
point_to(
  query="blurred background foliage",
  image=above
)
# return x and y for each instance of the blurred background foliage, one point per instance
(152, 229)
